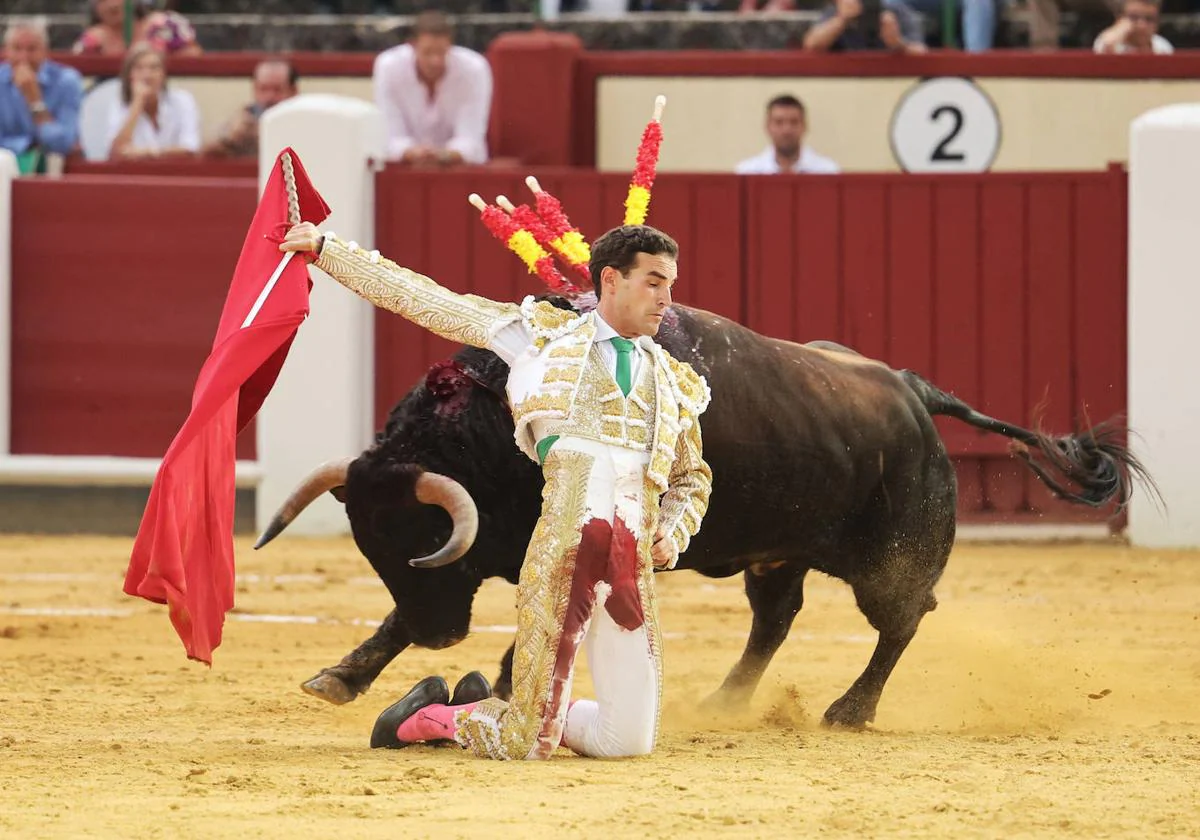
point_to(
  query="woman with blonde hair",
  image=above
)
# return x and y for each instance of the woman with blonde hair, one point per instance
(151, 120)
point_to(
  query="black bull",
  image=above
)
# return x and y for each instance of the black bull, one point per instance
(822, 459)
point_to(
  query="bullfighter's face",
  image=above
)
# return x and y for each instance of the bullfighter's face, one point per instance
(634, 303)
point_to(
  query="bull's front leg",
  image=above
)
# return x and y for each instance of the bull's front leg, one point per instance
(776, 593)
(359, 668)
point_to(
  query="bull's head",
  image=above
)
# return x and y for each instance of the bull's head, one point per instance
(430, 488)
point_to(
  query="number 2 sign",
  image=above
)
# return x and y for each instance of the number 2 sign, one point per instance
(945, 124)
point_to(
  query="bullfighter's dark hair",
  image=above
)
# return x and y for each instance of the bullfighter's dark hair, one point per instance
(619, 247)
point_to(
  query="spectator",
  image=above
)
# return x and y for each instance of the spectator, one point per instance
(847, 25)
(39, 99)
(978, 20)
(787, 123)
(1136, 31)
(152, 119)
(169, 31)
(274, 81)
(435, 97)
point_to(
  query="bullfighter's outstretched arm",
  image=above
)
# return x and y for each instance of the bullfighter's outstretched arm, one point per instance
(469, 319)
(686, 501)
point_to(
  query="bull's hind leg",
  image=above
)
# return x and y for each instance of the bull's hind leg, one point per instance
(776, 593)
(359, 668)
(894, 604)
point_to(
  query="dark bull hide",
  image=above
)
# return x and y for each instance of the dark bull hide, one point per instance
(822, 459)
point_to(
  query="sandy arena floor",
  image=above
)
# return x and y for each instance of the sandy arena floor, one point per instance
(1055, 692)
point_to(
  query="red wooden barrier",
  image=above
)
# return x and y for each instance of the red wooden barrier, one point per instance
(1007, 290)
(423, 221)
(118, 285)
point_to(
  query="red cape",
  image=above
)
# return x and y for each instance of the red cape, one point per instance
(183, 553)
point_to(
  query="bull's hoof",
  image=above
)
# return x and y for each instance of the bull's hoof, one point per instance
(726, 701)
(330, 688)
(848, 712)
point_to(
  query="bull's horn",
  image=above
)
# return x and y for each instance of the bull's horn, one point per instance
(328, 476)
(435, 489)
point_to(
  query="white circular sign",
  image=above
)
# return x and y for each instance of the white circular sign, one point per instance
(945, 124)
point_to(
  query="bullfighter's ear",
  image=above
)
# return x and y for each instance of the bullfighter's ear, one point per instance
(338, 493)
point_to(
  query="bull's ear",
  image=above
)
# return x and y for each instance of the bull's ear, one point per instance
(338, 493)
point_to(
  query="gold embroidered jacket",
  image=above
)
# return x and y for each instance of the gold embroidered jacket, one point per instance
(546, 381)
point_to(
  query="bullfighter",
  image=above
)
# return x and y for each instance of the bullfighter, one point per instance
(613, 420)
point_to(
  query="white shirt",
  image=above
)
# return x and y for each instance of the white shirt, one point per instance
(455, 119)
(1158, 45)
(766, 164)
(513, 339)
(178, 123)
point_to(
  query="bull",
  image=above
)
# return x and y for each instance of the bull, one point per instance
(823, 459)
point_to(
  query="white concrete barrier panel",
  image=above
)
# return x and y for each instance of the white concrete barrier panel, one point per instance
(8, 171)
(321, 407)
(1164, 303)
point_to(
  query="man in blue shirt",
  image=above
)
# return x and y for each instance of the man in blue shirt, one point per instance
(39, 99)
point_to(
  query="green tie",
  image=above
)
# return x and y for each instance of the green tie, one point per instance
(624, 349)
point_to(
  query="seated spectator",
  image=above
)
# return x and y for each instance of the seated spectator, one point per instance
(847, 25)
(435, 97)
(274, 81)
(1136, 31)
(39, 99)
(169, 31)
(152, 120)
(787, 123)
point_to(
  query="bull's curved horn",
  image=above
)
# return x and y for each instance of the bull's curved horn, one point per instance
(328, 476)
(436, 489)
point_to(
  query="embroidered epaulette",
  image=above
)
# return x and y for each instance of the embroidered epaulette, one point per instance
(690, 386)
(546, 322)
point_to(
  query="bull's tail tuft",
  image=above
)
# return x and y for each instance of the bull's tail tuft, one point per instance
(1093, 467)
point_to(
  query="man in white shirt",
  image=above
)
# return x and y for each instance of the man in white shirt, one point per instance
(1135, 31)
(786, 126)
(435, 97)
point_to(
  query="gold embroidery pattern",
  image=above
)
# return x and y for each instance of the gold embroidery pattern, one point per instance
(468, 319)
(602, 413)
(685, 503)
(547, 322)
(562, 373)
(520, 729)
(568, 351)
(646, 590)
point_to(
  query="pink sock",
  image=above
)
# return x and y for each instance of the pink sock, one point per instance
(433, 723)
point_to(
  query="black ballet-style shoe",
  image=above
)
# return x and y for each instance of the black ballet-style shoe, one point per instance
(427, 692)
(471, 689)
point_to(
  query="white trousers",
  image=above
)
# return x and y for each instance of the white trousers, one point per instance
(622, 719)
(587, 584)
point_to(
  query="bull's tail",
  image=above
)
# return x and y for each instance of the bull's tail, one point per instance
(1096, 462)
(329, 477)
